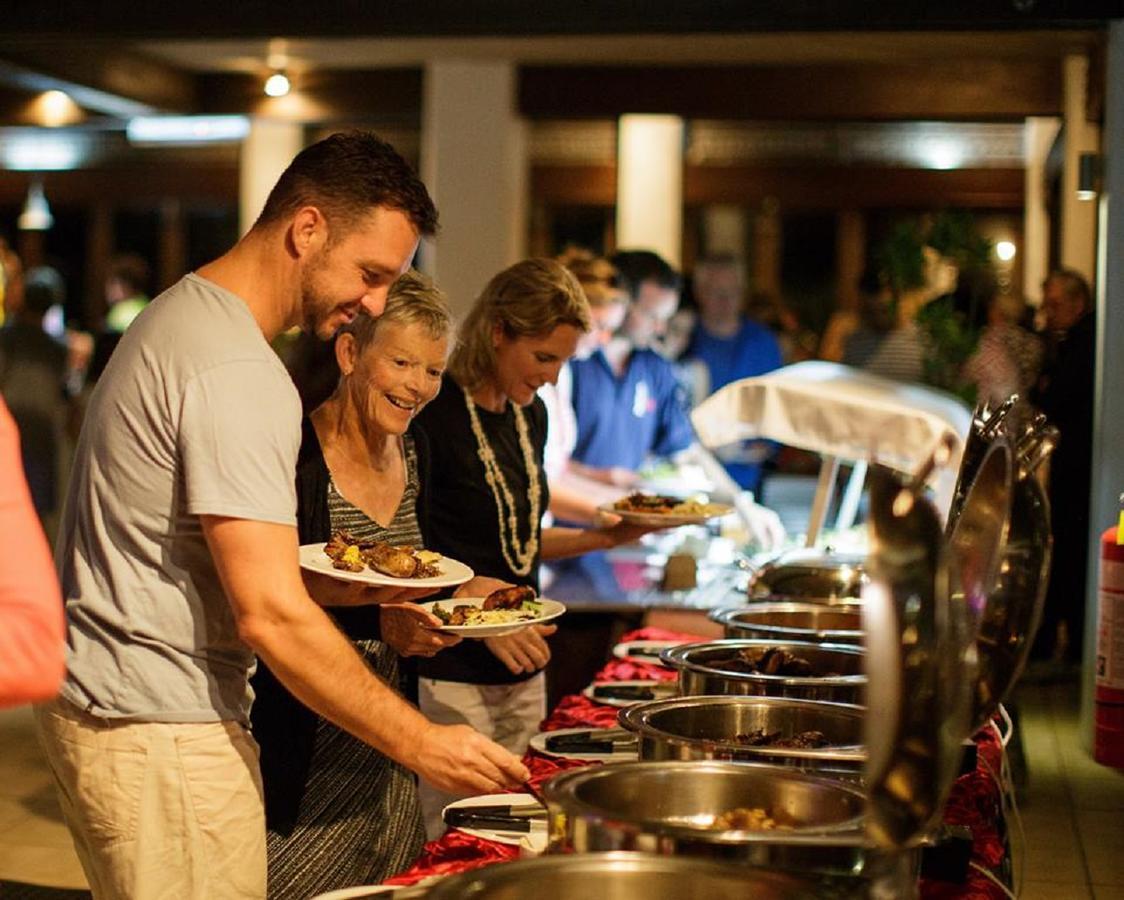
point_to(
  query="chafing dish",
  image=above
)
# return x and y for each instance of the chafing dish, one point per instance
(699, 676)
(792, 621)
(628, 876)
(671, 808)
(811, 575)
(706, 727)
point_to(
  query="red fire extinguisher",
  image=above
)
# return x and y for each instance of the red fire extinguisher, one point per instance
(1108, 716)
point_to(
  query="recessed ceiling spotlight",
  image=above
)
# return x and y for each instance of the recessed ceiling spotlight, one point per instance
(1005, 250)
(277, 84)
(54, 108)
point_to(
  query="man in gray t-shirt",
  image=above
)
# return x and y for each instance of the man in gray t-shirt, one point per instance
(178, 548)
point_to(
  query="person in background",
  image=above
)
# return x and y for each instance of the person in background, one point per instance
(179, 548)
(730, 346)
(629, 404)
(1008, 357)
(32, 648)
(126, 296)
(488, 492)
(1065, 394)
(33, 371)
(574, 498)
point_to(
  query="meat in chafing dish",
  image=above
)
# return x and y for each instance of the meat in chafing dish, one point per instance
(802, 740)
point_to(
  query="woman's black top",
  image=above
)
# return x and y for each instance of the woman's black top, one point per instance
(283, 726)
(463, 519)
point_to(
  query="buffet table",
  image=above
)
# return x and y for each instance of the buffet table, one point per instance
(975, 800)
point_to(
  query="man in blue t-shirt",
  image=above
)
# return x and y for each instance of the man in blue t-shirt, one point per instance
(730, 346)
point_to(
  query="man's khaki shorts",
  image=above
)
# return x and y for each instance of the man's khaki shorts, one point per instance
(159, 810)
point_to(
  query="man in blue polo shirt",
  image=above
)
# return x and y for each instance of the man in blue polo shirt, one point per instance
(629, 404)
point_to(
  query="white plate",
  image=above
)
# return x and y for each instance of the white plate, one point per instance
(538, 742)
(534, 840)
(551, 609)
(665, 520)
(661, 689)
(313, 558)
(644, 651)
(371, 890)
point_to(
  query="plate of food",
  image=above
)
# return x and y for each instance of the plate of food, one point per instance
(501, 612)
(664, 510)
(375, 562)
(588, 744)
(517, 819)
(644, 651)
(628, 693)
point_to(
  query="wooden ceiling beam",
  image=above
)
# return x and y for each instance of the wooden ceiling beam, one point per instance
(957, 90)
(319, 95)
(98, 75)
(804, 187)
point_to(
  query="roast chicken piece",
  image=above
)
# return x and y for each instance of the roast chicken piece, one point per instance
(508, 598)
(398, 562)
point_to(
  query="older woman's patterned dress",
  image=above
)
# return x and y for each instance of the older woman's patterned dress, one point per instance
(359, 820)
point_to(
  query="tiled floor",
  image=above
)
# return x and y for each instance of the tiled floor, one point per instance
(1072, 809)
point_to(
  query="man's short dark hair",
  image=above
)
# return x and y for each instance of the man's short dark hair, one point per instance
(346, 176)
(634, 267)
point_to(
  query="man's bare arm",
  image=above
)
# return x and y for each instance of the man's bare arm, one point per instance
(258, 565)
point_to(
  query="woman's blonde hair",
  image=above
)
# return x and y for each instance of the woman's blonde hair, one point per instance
(528, 299)
(596, 275)
(413, 299)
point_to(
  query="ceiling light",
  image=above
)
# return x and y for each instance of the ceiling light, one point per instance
(277, 84)
(1005, 250)
(54, 108)
(186, 129)
(36, 215)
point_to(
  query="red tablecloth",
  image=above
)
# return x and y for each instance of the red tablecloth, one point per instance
(974, 801)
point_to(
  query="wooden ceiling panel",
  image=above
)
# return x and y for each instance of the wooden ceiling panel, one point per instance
(968, 90)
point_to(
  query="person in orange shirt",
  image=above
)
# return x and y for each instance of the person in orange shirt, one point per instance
(32, 659)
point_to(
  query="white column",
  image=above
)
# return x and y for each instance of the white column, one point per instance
(1079, 217)
(650, 185)
(473, 160)
(1108, 404)
(1038, 137)
(266, 152)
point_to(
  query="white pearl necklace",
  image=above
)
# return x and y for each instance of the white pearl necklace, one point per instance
(519, 557)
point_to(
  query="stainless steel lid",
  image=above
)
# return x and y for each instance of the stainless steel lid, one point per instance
(921, 658)
(1001, 508)
(811, 573)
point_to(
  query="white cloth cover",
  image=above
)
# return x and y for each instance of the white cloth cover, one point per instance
(840, 411)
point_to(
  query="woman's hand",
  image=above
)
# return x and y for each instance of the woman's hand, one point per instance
(409, 630)
(523, 651)
(481, 586)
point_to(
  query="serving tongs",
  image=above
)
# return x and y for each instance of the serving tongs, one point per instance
(604, 740)
(920, 660)
(495, 817)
